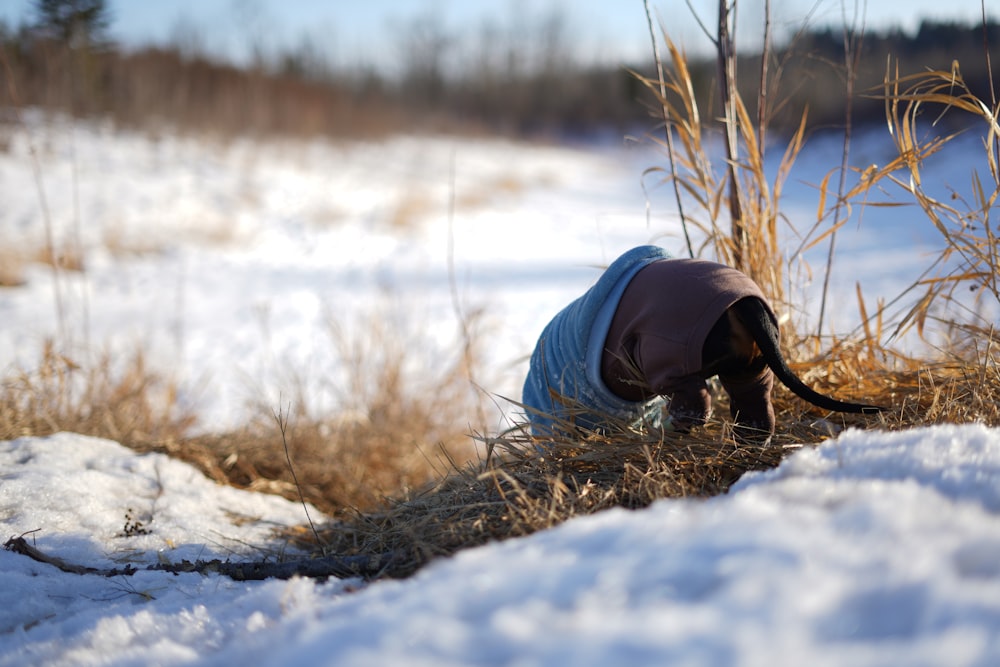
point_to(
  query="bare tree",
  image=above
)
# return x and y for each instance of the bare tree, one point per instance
(726, 65)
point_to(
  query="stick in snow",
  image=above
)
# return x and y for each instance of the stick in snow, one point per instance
(342, 567)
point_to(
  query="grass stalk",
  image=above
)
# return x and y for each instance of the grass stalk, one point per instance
(852, 55)
(668, 129)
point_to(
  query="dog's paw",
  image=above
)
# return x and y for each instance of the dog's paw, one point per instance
(685, 420)
(752, 433)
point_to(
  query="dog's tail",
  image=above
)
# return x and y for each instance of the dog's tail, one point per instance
(759, 323)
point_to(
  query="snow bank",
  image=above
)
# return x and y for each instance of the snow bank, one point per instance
(874, 549)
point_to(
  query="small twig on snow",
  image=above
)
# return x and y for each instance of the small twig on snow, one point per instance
(342, 567)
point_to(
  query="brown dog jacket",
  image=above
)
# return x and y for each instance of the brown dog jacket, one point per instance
(657, 335)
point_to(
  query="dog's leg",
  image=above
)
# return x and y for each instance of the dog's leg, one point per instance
(750, 405)
(690, 405)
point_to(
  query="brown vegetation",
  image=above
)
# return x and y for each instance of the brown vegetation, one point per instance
(392, 432)
(11, 268)
(125, 401)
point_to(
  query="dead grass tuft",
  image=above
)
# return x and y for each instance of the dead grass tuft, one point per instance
(524, 489)
(340, 464)
(125, 246)
(65, 259)
(11, 269)
(124, 401)
(409, 211)
(502, 185)
(961, 386)
(397, 425)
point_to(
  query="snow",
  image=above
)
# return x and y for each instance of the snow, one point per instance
(230, 264)
(838, 557)
(873, 549)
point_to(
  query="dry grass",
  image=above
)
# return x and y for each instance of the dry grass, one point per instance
(397, 427)
(532, 484)
(65, 259)
(14, 259)
(410, 209)
(121, 246)
(523, 490)
(394, 429)
(11, 269)
(124, 401)
(484, 194)
(711, 191)
(970, 262)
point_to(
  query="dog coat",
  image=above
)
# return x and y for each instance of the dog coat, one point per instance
(642, 327)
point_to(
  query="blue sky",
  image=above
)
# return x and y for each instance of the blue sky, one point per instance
(365, 30)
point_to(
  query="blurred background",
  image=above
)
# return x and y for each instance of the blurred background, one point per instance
(510, 67)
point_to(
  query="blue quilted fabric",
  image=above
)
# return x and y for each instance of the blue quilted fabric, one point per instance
(564, 382)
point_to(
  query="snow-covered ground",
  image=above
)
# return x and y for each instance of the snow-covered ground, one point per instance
(875, 549)
(233, 266)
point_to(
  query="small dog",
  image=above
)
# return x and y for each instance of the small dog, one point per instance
(653, 328)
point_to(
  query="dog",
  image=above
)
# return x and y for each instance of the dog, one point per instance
(643, 340)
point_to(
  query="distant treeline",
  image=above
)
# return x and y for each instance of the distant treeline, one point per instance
(533, 86)
(814, 68)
